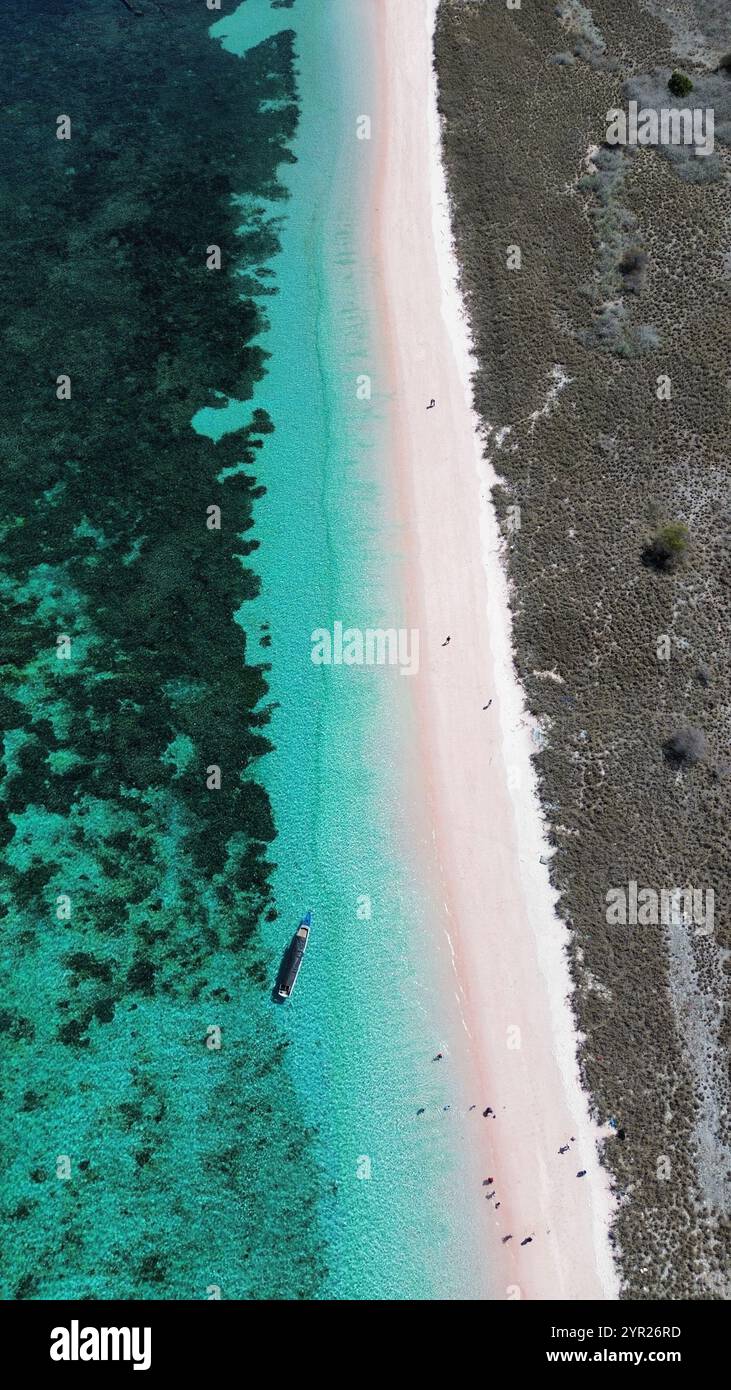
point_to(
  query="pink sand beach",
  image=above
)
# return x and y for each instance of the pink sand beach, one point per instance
(506, 941)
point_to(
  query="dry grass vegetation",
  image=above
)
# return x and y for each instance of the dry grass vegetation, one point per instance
(624, 283)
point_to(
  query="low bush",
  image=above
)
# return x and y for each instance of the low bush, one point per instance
(686, 747)
(680, 85)
(667, 546)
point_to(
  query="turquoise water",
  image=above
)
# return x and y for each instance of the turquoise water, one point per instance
(169, 1132)
(374, 1002)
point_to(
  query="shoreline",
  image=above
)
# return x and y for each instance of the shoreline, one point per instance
(456, 585)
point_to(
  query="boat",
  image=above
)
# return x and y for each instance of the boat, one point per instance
(293, 959)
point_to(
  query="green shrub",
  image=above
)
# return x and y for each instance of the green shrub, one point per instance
(680, 85)
(667, 546)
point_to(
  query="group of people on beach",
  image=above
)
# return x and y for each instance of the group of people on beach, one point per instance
(488, 1113)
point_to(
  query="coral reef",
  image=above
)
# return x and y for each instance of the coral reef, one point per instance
(153, 1139)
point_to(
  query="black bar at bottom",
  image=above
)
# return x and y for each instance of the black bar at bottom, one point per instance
(97, 1340)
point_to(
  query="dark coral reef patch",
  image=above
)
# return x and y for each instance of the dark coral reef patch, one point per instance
(146, 1157)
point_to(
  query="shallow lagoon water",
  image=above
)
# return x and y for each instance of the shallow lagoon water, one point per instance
(369, 1011)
